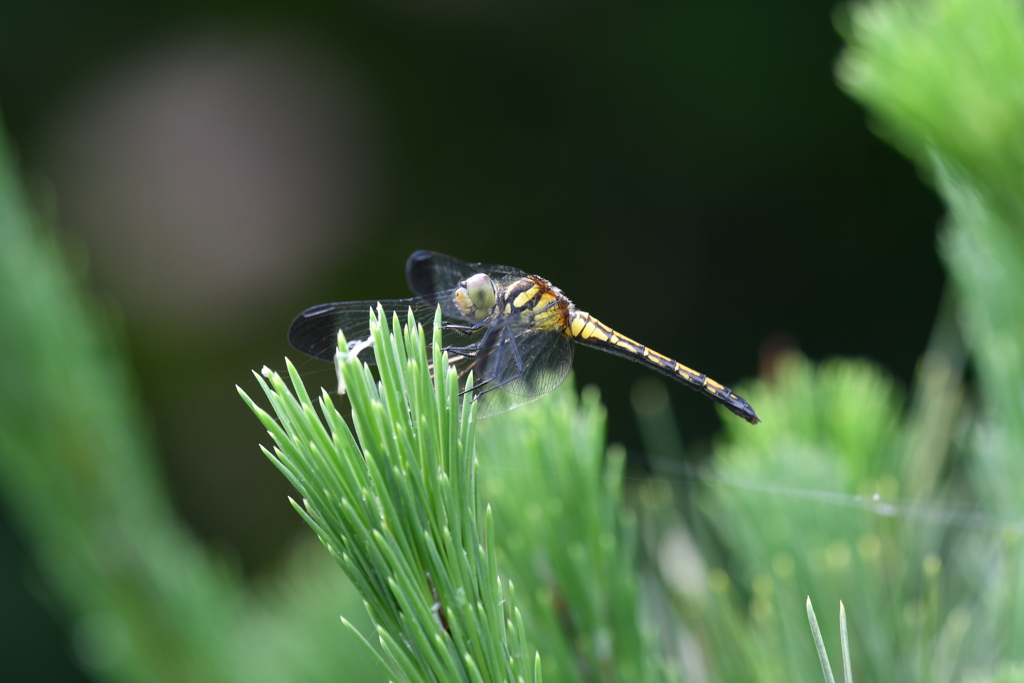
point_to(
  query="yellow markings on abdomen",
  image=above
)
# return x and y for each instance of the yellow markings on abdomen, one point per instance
(659, 359)
(696, 379)
(708, 382)
(586, 329)
(589, 329)
(689, 375)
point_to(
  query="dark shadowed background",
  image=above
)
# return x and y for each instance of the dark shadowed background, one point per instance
(689, 172)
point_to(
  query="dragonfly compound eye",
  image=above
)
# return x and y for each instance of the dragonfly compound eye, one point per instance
(475, 296)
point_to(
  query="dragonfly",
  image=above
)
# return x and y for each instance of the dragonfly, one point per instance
(515, 331)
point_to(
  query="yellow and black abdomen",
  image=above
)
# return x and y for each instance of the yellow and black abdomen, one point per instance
(586, 329)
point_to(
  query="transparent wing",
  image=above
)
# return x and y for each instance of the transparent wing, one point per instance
(518, 364)
(433, 277)
(314, 332)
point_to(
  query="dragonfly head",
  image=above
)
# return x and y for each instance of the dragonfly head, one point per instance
(475, 296)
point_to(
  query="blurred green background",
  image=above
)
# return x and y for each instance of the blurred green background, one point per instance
(688, 172)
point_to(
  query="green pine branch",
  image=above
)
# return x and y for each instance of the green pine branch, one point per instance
(395, 501)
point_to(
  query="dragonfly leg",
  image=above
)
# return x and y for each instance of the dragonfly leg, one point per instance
(467, 351)
(466, 330)
(520, 369)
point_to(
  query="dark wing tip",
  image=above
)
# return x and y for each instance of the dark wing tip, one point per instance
(419, 273)
(310, 332)
(419, 261)
(420, 254)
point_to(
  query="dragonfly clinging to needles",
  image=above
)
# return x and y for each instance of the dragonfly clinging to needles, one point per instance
(516, 331)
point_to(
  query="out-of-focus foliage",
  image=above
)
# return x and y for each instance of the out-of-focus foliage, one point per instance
(824, 503)
(566, 542)
(1006, 674)
(145, 601)
(943, 80)
(913, 517)
(78, 474)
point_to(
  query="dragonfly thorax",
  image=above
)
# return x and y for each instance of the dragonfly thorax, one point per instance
(476, 296)
(534, 302)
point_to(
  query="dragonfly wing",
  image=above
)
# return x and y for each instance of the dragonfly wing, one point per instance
(433, 277)
(519, 364)
(314, 332)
